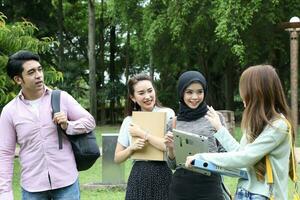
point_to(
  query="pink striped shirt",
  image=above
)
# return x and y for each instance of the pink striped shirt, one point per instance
(43, 165)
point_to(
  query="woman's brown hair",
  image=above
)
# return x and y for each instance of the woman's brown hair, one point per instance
(264, 99)
(132, 106)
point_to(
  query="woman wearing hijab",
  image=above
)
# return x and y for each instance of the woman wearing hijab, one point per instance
(186, 184)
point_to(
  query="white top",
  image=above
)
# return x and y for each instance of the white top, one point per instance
(274, 140)
(35, 105)
(124, 136)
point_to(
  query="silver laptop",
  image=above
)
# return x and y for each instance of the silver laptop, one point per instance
(188, 144)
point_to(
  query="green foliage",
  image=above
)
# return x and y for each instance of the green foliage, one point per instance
(233, 17)
(14, 37)
(76, 18)
(219, 38)
(113, 91)
(181, 37)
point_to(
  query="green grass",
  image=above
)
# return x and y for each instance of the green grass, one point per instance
(94, 175)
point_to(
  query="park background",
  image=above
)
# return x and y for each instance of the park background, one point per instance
(91, 47)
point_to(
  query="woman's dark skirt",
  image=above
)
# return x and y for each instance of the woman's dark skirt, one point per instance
(188, 185)
(149, 180)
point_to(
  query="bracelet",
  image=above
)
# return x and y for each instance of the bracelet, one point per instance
(146, 135)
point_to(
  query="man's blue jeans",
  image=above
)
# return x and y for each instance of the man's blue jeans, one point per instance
(71, 192)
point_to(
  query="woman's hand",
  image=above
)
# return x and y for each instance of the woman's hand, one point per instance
(136, 131)
(188, 162)
(213, 118)
(138, 144)
(169, 140)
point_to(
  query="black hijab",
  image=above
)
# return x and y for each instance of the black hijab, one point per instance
(185, 112)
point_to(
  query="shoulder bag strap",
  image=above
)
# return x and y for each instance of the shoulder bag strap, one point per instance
(270, 180)
(55, 103)
(293, 172)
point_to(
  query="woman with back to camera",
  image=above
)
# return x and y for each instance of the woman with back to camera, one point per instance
(147, 179)
(265, 126)
(186, 184)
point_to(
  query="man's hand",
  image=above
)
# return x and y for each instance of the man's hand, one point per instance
(61, 119)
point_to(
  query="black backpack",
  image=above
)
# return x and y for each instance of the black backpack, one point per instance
(85, 148)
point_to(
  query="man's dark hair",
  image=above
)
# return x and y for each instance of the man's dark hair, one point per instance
(15, 62)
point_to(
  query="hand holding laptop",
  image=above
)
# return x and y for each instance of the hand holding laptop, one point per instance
(194, 161)
(189, 161)
(169, 140)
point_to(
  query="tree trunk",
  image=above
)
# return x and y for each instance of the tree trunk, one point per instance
(60, 21)
(151, 64)
(91, 55)
(112, 73)
(101, 69)
(127, 56)
(229, 90)
(127, 62)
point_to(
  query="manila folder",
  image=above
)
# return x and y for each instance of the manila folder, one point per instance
(155, 124)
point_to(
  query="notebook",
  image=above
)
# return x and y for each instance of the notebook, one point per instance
(155, 124)
(188, 144)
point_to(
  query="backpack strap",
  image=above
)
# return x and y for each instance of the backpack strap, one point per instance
(55, 104)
